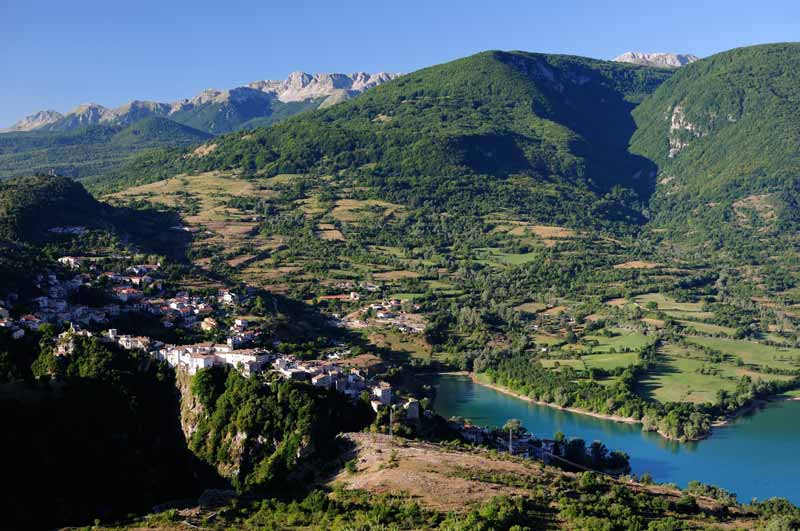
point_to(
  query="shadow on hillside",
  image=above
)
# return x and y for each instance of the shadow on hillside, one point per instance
(85, 448)
(648, 387)
(593, 105)
(151, 230)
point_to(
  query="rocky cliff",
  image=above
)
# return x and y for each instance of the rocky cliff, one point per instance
(664, 60)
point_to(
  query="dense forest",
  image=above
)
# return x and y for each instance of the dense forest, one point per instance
(257, 432)
(95, 411)
(723, 132)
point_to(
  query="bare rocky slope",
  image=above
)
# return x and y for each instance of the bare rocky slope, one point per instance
(666, 60)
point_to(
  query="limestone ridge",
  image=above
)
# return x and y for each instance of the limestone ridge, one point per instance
(300, 86)
(664, 60)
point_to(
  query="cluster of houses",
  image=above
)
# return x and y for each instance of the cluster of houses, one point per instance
(190, 358)
(53, 307)
(387, 313)
(352, 382)
(127, 292)
(351, 285)
(523, 444)
(182, 310)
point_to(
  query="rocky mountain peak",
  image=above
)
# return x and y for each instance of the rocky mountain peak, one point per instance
(664, 60)
(35, 120)
(300, 86)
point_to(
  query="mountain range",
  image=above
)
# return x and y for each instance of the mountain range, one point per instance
(256, 100)
(92, 140)
(710, 146)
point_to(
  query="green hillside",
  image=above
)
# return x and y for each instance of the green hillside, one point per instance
(543, 135)
(219, 118)
(280, 110)
(724, 133)
(92, 151)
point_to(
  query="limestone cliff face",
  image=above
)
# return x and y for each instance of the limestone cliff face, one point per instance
(664, 60)
(301, 86)
(191, 408)
(192, 414)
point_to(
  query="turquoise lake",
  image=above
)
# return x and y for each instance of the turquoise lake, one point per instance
(755, 456)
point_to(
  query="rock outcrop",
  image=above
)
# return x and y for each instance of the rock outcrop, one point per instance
(665, 60)
(300, 86)
(34, 121)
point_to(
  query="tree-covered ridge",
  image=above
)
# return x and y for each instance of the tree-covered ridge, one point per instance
(29, 206)
(90, 152)
(258, 433)
(538, 133)
(724, 133)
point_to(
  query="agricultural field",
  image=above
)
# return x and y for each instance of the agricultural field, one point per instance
(678, 379)
(708, 328)
(530, 307)
(622, 341)
(685, 374)
(666, 303)
(752, 353)
(609, 362)
(576, 364)
(398, 347)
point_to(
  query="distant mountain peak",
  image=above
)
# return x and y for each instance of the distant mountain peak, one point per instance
(35, 120)
(665, 60)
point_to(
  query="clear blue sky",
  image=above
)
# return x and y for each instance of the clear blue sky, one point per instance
(57, 54)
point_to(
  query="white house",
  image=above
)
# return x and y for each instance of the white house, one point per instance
(383, 392)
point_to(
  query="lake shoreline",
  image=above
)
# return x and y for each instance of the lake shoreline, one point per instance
(584, 412)
(751, 408)
(759, 444)
(577, 411)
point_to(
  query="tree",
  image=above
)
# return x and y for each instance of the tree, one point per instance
(511, 425)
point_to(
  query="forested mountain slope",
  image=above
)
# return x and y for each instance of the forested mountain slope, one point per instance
(543, 135)
(90, 151)
(725, 134)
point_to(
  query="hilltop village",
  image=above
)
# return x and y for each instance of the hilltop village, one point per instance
(78, 294)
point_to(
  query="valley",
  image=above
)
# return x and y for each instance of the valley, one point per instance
(593, 246)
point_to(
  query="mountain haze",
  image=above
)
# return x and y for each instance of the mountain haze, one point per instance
(34, 121)
(90, 151)
(84, 143)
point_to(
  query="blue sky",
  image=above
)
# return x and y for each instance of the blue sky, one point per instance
(57, 54)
